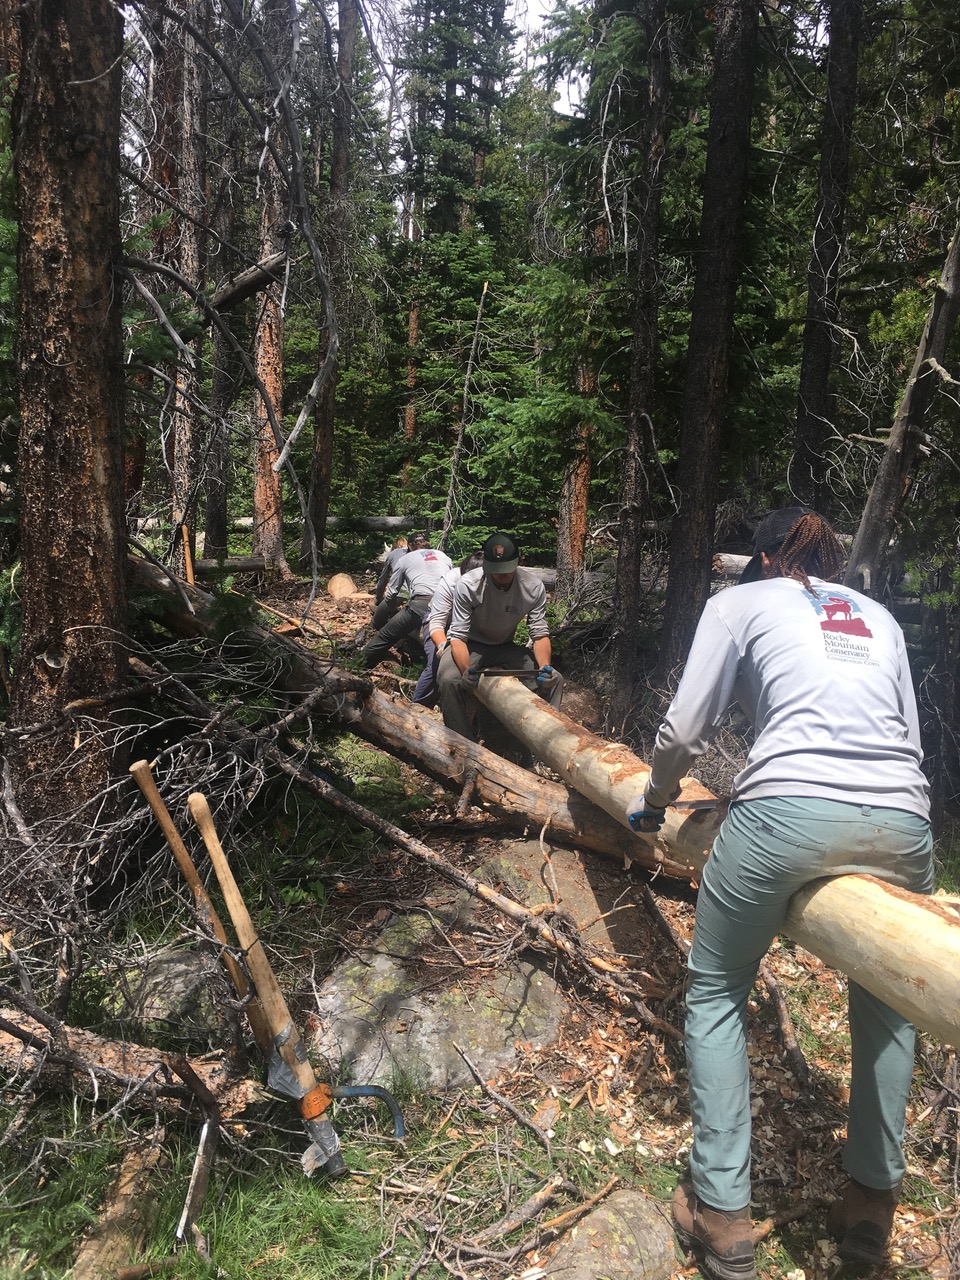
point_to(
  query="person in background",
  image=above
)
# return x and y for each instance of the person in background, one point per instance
(434, 635)
(390, 562)
(832, 786)
(489, 603)
(418, 573)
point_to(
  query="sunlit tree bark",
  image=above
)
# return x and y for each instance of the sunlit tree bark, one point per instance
(69, 383)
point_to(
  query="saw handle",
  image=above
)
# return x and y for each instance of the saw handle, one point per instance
(280, 1024)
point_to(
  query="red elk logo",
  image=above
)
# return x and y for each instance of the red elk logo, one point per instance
(837, 608)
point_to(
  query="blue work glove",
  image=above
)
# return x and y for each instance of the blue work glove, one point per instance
(546, 675)
(471, 677)
(643, 816)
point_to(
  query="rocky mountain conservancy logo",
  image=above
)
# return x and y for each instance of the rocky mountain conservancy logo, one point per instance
(839, 613)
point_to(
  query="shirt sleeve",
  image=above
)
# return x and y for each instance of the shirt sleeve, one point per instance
(537, 615)
(462, 612)
(701, 701)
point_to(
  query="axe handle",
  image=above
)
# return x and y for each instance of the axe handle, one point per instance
(275, 1010)
(205, 909)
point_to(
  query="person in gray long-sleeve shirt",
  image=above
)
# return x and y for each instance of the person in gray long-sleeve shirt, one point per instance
(418, 573)
(832, 785)
(488, 605)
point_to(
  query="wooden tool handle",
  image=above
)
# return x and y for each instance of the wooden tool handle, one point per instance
(205, 908)
(275, 1008)
(144, 780)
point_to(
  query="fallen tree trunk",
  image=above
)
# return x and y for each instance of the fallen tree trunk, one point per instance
(522, 798)
(96, 1067)
(903, 948)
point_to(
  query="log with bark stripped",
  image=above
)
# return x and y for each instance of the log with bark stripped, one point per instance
(521, 798)
(903, 948)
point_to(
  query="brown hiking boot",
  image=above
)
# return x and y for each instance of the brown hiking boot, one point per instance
(724, 1239)
(862, 1221)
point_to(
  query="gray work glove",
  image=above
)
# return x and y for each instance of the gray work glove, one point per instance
(471, 677)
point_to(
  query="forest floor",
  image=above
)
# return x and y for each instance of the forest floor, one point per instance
(611, 1093)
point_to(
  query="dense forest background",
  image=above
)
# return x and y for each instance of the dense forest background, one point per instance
(615, 278)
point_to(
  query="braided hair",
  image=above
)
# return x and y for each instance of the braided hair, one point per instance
(811, 546)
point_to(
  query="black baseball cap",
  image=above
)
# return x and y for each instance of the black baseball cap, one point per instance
(500, 554)
(769, 536)
(418, 540)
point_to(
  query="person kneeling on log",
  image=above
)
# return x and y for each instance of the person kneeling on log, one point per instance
(832, 786)
(488, 605)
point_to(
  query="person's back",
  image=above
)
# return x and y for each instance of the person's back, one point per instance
(418, 573)
(822, 673)
(832, 786)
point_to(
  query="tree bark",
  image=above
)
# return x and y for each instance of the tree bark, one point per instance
(639, 452)
(574, 503)
(813, 425)
(339, 240)
(711, 331)
(70, 389)
(93, 1066)
(890, 485)
(269, 335)
(190, 261)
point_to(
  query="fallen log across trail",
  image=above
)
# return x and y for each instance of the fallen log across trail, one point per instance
(902, 947)
(555, 932)
(521, 798)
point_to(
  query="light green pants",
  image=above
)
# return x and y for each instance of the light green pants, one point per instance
(765, 851)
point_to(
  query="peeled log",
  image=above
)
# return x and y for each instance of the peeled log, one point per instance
(902, 947)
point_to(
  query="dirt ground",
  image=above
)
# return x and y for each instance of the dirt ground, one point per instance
(606, 1060)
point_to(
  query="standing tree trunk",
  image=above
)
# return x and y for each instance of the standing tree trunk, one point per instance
(575, 499)
(813, 427)
(639, 450)
(191, 254)
(339, 239)
(889, 488)
(451, 507)
(224, 378)
(70, 390)
(269, 337)
(711, 330)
